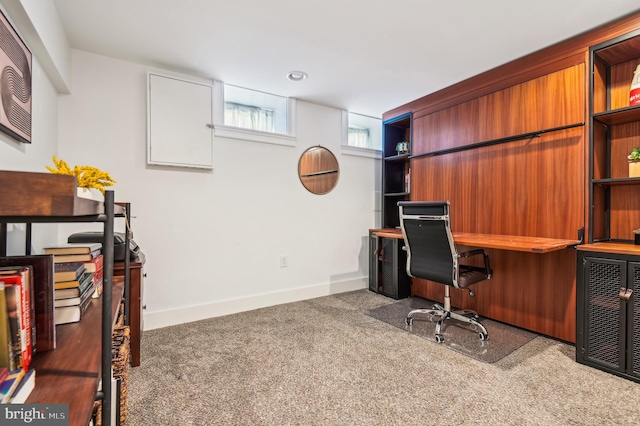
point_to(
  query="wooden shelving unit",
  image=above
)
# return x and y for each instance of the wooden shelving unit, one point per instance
(615, 130)
(396, 171)
(608, 267)
(69, 374)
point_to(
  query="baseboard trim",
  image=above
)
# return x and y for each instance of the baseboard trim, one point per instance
(170, 317)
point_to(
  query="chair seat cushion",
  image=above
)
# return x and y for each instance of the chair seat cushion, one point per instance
(470, 276)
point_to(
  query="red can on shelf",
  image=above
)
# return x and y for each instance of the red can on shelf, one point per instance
(634, 92)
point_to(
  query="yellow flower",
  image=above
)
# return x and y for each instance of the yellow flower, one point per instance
(87, 176)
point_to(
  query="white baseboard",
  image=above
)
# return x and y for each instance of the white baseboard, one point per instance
(232, 306)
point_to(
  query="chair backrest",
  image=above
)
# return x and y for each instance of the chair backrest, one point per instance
(431, 252)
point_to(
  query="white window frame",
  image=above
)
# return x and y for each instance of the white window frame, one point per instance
(222, 130)
(353, 150)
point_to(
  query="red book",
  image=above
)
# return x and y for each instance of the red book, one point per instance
(4, 372)
(19, 279)
(97, 267)
(94, 264)
(43, 324)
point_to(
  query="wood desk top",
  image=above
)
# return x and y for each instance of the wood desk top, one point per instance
(495, 241)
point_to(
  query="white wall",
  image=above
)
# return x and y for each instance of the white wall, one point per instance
(213, 239)
(33, 157)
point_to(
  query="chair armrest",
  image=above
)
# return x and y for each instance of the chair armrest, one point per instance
(472, 253)
(487, 266)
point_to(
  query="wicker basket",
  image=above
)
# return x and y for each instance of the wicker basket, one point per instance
(97, 413)
(120, 364)
(120, 316)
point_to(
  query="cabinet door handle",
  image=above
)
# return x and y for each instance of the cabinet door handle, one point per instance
(625, 293)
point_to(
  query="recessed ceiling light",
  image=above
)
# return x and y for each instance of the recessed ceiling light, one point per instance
(297, 75)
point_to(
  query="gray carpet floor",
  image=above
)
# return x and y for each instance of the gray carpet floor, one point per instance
(325, 362)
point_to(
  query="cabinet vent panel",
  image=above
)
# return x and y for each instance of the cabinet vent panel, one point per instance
(604, 314)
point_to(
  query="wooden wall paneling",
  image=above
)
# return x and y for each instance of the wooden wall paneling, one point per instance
(562, 97)
(547, 102)
(455, 126)
(452, 177)
(517, 188)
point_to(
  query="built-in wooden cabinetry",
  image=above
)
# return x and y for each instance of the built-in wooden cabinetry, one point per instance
(615, 130)
(387, 260)
(511, 162)
(608, 329)
(388, 265)
(533, 148)
(608, 305)
(396, 171)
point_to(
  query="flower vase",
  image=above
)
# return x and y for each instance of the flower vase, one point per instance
(90, 193)
(634, 168)
(85, 193)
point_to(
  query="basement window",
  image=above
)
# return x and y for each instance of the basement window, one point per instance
(362, 135)
(248, 114)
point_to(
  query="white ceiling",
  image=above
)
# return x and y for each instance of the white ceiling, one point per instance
(365, 56)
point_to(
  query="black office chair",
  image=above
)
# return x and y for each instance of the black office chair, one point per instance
(432, 255)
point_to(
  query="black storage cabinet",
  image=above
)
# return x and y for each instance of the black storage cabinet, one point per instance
(388, 267)
(608, 313)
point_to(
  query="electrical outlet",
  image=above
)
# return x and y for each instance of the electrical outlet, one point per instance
(283, 261)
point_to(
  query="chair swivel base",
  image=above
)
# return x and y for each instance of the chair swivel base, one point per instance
(466, 316)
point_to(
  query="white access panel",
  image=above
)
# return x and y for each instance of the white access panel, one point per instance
(179, 122)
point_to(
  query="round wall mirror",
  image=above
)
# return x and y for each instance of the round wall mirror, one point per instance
(318, 170)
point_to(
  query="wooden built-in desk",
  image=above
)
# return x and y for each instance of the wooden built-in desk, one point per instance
(500, 242)
(505, 299)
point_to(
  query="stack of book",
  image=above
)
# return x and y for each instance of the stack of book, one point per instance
(77, 279)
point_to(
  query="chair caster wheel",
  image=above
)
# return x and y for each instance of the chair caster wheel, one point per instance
(409, 321)
(439, 338)
(483, 336)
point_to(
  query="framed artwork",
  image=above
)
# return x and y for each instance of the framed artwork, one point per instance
(15, 84)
